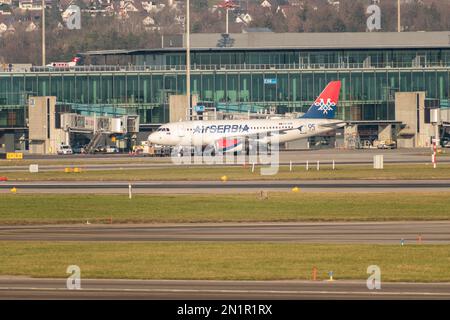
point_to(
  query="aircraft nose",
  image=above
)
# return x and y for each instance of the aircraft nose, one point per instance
(153, 137)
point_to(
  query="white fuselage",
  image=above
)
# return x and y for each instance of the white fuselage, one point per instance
(202, 133)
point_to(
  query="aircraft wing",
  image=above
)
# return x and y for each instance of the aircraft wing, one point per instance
(256, 136)
(333, 125)
(232, 142)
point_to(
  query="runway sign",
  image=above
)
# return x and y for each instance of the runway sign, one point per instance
(14, 155)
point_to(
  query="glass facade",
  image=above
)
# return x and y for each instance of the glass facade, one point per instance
(235, 81)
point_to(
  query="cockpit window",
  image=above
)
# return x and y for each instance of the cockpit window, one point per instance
(163, 129)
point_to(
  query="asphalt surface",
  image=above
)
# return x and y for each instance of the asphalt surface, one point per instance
(437, 232)
(326, 156)
(89, 187)
(27, 288)
(371, 233)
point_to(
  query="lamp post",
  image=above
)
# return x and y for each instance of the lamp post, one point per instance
(226, 21)
(188, 60)
(398, 17)
(435, 118)
(228, 5)
(43, 33)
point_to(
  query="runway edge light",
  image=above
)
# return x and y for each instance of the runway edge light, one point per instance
(314, 273)
(330, 274)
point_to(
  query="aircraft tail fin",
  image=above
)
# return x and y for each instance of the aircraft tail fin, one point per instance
(326, 103)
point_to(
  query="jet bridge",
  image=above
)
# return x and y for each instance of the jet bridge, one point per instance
(98, 127)
(49, 126)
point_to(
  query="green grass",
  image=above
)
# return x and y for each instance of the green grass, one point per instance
(45, 208)
(422, 171)
(84, 161)
(228, 261)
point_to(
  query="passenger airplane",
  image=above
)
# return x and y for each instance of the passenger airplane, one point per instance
(229, 135)
(70, 64)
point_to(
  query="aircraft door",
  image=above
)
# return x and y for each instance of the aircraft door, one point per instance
(181, 130)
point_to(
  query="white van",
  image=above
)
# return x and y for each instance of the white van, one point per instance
(64, 149)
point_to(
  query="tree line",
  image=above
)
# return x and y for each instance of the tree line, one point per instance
(110, 32)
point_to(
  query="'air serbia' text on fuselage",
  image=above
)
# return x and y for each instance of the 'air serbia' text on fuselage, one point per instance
(227, 128)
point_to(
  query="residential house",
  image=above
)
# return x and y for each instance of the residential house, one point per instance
(148, 21)
(335, 4)
(31, 27)
(150, 24)
(150, 6)
(296, 3)
(282, 10)
(5, 10)
(11, 29)
(3, 27)
(127, 6)
(68, 12)
(179, 19)
(266, 4)
(30, 5)
(244, 18)
(108, 7)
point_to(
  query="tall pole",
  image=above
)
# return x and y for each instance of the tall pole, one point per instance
(43, 33)
(226, 27)
(188, 60)
(398, 16)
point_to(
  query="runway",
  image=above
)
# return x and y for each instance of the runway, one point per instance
(148, 187)
(437, 232)
(27, 288)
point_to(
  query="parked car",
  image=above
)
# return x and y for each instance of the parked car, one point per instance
(64, 149)
(111, 149)
(446, 143)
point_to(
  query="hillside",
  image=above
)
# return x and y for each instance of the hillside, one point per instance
(110, 24)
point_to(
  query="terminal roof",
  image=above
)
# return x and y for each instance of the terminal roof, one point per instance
(302, 41)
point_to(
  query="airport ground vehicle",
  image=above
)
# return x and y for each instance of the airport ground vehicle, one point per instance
(106, 149)
(387, 145)
(152, 150)
(78, 149)
(64, 149)
(156, 150)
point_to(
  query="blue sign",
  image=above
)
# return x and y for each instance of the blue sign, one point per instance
(270, 81)
(199, 108)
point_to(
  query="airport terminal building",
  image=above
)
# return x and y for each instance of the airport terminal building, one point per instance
(257, 72)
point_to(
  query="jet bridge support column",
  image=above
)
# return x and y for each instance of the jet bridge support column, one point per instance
(385, 132)
(350, 135)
